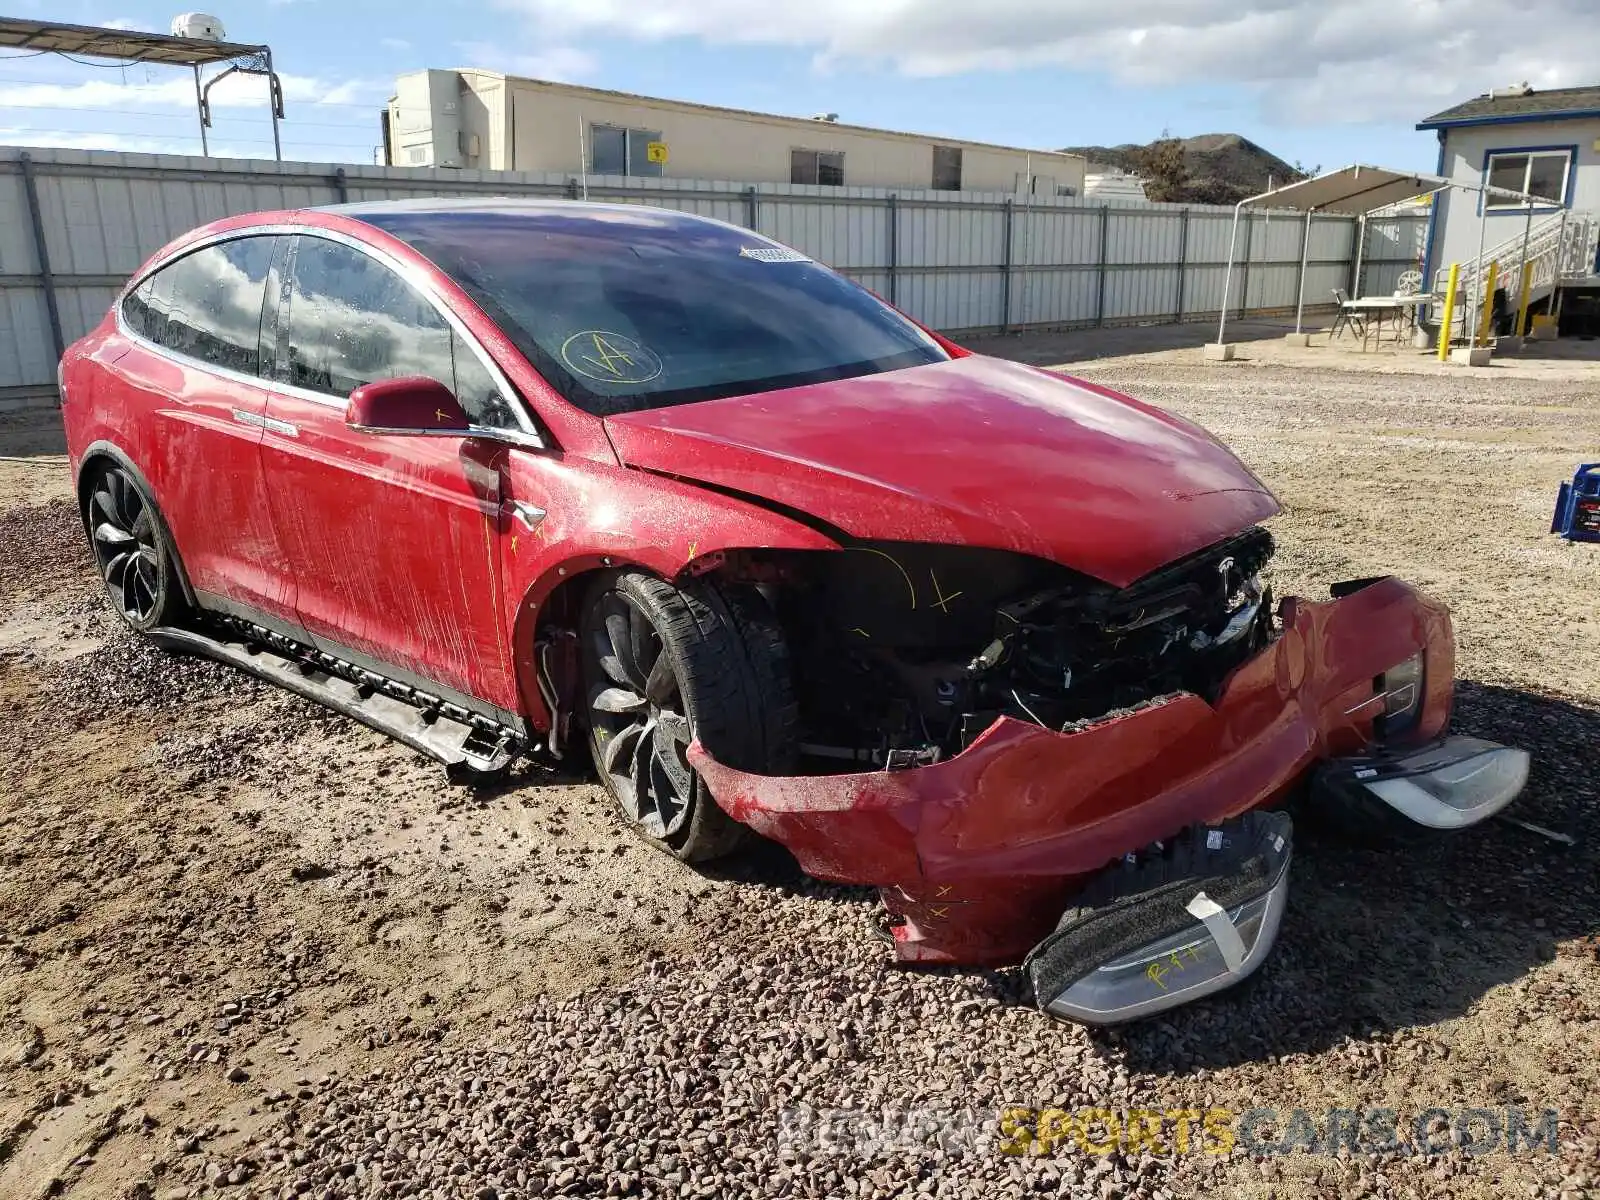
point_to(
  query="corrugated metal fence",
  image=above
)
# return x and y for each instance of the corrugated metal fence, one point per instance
(75, 224)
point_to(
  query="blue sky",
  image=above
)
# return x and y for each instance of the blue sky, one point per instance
(1322, 83)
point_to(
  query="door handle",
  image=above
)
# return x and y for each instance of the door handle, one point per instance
(270, 424)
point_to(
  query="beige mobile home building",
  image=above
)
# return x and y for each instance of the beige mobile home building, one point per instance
(486, 120)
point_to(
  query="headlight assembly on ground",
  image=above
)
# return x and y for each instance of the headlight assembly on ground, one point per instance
(1446, 784)
(1187, 919)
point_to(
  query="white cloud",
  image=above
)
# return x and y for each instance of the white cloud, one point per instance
(1312, 61)
(73, 139)
(236, 91)
(351, 91)
(398, 45)
(561, 63)
(123, 23)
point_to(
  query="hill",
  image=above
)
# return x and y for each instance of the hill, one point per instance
(1218, 168)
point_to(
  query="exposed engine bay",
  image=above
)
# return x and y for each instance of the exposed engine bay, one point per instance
(903, 653)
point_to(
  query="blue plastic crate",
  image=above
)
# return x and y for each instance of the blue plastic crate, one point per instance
(1578, 506)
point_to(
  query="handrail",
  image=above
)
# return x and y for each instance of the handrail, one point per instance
(1560, 247)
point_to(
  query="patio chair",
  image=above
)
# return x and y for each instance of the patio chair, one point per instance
(1347, 318)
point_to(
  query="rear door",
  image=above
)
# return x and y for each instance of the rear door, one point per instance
(195, 328)
(393, 540)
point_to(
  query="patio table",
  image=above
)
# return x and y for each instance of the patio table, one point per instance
(1382, 308)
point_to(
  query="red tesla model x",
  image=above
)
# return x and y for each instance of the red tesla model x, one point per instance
(511, 479)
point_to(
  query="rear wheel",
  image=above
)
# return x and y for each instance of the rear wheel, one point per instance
(130, 548)
(664, 665)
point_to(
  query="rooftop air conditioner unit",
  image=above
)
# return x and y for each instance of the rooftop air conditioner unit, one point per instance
(1506, 93)
(202, 26)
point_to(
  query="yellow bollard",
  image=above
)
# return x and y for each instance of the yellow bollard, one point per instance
(1449, 312)
(1488, 306)
(1527, 290)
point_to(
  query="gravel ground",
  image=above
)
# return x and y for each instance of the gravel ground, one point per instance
(249, 948)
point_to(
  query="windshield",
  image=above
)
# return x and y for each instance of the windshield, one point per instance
(629, 310)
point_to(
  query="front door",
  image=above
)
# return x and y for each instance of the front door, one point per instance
(393, 539)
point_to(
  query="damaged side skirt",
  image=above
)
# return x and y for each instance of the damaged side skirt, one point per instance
(443, 731)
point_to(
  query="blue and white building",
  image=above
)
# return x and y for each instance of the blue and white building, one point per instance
(1545, 144)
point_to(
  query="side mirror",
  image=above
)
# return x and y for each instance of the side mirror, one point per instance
(412, 404)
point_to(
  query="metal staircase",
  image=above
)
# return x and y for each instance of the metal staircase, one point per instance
(1561, 247)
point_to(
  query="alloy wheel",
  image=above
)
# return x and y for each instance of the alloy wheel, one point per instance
(123, 531)
(638, 713)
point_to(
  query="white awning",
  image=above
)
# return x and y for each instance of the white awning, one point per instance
(1357, 190)
(1351, 191)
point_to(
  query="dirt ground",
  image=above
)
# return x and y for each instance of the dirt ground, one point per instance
(249, 947)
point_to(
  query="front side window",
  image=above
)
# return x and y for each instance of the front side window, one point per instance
(352, 321)
(817, 166)
(644, 310)
(479, 395)
(1540, 173)
(207, 304)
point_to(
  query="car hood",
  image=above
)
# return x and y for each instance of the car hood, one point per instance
(973, 451)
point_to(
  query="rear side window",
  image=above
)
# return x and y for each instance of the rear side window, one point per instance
(352, 321)
(207, 305)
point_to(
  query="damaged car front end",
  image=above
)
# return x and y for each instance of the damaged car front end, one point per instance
(985, 794)
(1026, 672)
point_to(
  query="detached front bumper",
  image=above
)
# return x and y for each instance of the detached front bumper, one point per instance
(977, 855)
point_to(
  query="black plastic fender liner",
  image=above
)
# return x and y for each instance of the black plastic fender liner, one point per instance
(1146, 934)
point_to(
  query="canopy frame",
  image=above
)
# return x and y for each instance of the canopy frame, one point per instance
(131, 46)
(1357, 190)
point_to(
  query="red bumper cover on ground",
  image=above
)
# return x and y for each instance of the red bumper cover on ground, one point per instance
(977, 855)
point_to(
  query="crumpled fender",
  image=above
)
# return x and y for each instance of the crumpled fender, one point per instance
(978, 850)
(597, 517)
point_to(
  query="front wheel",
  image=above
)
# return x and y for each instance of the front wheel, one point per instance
(131, 550)
(663, 666)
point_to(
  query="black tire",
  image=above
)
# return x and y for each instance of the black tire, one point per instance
(663, 665)
(129, 542)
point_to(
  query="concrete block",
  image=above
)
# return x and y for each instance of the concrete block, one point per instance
(1297, 339)
(1219, 351)
(1545, 331)
(1507, 345)
(1471, 356)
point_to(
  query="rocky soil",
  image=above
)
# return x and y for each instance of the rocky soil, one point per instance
(249, 948)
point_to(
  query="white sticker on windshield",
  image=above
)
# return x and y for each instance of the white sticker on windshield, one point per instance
(772, 254)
